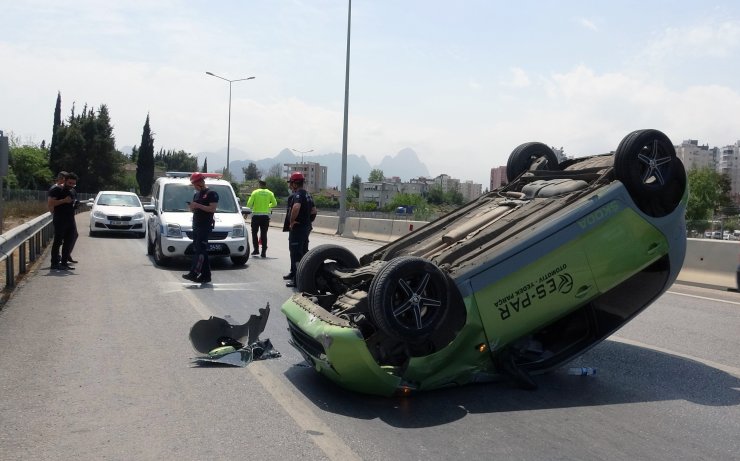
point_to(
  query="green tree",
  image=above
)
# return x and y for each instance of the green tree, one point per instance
(145, 163)
(436, 195)
(278, 186)
(251, 172)
(707, 192)
(453, 197)
(354, 186)
(30, 167)
(53, 147)
(172, 160)
(324, 203)
(86, 146)
(205, 166)
(376, 175)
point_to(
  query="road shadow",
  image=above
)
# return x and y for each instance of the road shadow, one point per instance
(102, 235)
(182, 264)
(626, 374)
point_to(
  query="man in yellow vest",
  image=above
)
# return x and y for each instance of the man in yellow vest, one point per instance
(261, 202)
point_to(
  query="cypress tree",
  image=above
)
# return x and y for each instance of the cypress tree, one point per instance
(54, 146)
(145, 162)
(205, 166)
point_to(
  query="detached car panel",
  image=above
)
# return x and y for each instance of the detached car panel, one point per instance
(515, 283)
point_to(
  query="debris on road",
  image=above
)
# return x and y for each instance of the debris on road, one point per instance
(228, 344)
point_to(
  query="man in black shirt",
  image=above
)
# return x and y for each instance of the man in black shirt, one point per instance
(61, 200)
(203, 206)
(61, 178)
(300, 213)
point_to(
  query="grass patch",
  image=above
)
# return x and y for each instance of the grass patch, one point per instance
(23, 208)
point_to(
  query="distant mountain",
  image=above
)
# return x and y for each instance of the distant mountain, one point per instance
(405, 164)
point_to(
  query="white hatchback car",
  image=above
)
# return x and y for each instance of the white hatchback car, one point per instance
(117, 211)
(170, 223)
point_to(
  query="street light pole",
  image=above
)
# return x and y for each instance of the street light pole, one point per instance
(228, 135)
(301, 152)
(343, 188)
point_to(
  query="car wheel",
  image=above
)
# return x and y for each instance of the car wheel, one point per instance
(646, 163)
(409, 298)
(159, 258)
(311, 276)
(141, 235)
(525, 155)
(240, 260)
(149, 247)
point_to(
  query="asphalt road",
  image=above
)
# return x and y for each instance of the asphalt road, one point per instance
(95, 364)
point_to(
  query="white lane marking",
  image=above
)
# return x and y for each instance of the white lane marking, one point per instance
(726, 368)
(321, 434)
(704, 297)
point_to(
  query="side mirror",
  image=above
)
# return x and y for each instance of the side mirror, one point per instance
(246, 211)
(148, 207)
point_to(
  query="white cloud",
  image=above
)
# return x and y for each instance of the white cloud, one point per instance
(517, 78)
(714, 40)
(587, 23)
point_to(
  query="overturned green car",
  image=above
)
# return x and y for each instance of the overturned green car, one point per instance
(512, 284)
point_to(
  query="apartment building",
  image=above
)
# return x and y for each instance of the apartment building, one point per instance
(470, 190)
(498, 177)
(315, 174)
(730, 165)
(381, 193)
(695, 156)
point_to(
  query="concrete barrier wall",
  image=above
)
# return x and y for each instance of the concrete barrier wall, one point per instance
(379, 230)
(708, 262)
(711, 262)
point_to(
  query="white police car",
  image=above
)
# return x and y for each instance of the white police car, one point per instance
(170, 221)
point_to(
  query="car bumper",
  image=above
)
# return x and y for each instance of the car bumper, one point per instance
(339, 352)
(183, 246)
(106, 225)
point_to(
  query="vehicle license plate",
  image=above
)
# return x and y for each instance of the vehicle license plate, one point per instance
(117, 223)
(214, 247)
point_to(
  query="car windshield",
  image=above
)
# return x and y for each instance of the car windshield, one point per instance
(177, 196)
(119, 200)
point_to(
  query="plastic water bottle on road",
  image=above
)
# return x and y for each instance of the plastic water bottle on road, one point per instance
(582, 371)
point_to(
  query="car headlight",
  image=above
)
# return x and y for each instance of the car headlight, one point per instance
(238, 231)
(138, 216)
(98, 214)
(173, 230)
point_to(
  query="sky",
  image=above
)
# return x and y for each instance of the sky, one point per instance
(461, 83)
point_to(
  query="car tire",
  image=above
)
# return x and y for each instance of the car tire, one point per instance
(522, 158)
(409, 298)
(141, 235)
(646, 163)
(240, 260)
(310, 275)
(159, 258)
(149, 247)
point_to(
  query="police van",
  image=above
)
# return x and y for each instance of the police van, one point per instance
(170, 221)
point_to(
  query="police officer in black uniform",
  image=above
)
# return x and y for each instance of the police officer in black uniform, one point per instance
(203, 206)
(300, 213)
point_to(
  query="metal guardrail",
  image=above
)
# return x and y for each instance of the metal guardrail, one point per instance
(24, 244)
